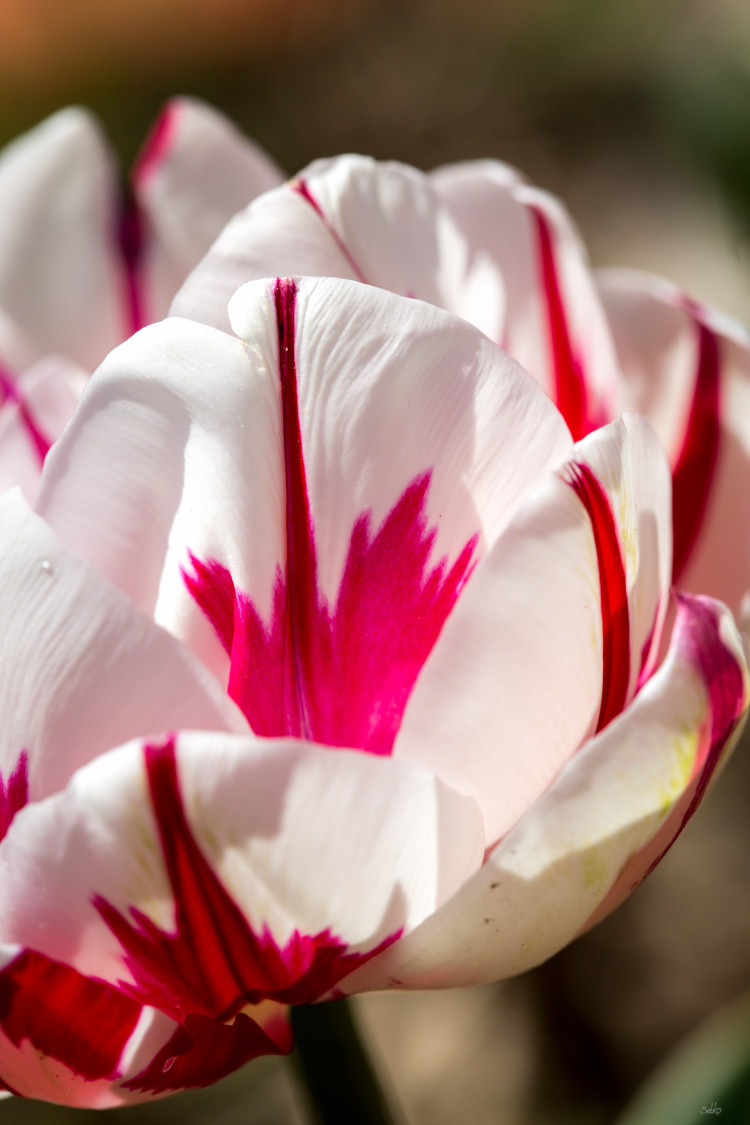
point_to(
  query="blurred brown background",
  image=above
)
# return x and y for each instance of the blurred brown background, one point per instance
(638, 115)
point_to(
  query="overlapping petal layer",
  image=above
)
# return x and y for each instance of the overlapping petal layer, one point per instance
(68, 694)
(606, 820)
(83, 264)
(351, 218)
(474, 238)
(688, 370)
(408, 412)
(572, 651)
(471, 238)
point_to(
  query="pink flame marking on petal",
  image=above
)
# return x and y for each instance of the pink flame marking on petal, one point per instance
(202, 1051)
(14, 793)
(613, 592)
(214, 963)
(696, 464)
(11, 393)
(303, 188)
(82, 1023)
(570, 391)
(340, 676)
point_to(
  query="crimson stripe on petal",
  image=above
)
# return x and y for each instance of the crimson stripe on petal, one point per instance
(301, 565)
(14, 793)
(696, 464)
(214, 963)
(724, 682)
(613, 591)
(697, 635)
(202, 1051)
(339, 675)
(570, 392)
(11, 393)
(82, 1023)
(157, 144)
(130, 240)
(302, 188)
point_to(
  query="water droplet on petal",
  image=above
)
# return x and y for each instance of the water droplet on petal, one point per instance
(46, 566)
(169, 1063)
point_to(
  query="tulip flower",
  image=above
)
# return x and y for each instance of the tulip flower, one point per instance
(477, 240)
(82, 266)
(330, 663)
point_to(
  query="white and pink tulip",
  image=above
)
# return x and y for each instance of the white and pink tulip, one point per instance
(331, 662)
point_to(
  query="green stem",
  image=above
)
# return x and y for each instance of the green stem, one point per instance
(334, 1069)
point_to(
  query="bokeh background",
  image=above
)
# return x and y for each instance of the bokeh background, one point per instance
(637, 113)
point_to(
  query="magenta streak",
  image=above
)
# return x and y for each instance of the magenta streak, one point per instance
(11, 393)
(157, 144)
(301, 563)
(84, 1024)
(570, 384)
(342, 675)
(214, 963)
(14, 793)
(130, 236)
(302, 188)
(694, 472)
(726, 687)
(131, 233)
(697, 634)
(613, 592)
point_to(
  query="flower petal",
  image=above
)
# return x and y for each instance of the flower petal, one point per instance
(81, 1042)
(206, 871)
(358, 513)
(47, 1014)
(69, 693)
(36, 408)
(194, 172)
(520, 675)
(349, 217)
(688, 371)
(553, 322)
(60, 272)
(601, 826)
(168, 425)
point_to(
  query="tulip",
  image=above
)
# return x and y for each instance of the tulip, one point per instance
(330, 663)
(81, 267)
(477, 240)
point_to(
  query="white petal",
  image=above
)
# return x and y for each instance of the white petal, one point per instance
(60, 274)
(83, 669)
(195, 171)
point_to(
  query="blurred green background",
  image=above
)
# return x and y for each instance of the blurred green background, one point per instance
(638, 114)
